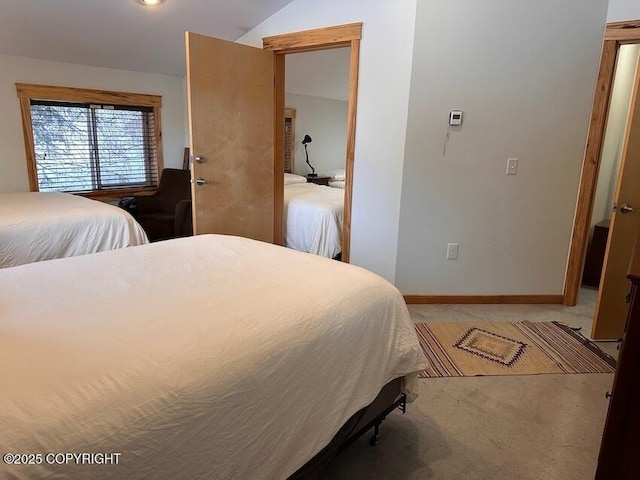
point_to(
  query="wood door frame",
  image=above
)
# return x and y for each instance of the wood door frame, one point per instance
(616, 34)
(339, 36)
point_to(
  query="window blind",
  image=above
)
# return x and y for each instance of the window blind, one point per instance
(288, 145)
(81, 147)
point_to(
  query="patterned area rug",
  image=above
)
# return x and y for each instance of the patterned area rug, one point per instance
(503, 348)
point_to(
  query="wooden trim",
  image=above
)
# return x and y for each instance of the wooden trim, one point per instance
(615, 34)
(186, 158)
(623, 32)
(318, 39)
(27, 131)
(351, 145)
(321, 39)
(590, 168)
(278, 149)
(194, 217)
(116, 193)
(158, 139)
(71, 94)
(482, 299)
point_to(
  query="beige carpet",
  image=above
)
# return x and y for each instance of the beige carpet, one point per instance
(464, 349)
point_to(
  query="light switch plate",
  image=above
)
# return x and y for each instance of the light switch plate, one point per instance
(512, 166)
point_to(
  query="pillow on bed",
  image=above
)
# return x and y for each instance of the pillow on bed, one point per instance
(336, 183)
(291, 178)
(337, 174)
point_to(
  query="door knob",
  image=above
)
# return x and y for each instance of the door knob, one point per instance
(626, 208)
(199, 158)
(200, 181)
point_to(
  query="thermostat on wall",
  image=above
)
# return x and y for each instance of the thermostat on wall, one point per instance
(455, 117)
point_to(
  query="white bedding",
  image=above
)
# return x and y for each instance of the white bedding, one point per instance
(203, 357)
(37, 226)
(313, 217)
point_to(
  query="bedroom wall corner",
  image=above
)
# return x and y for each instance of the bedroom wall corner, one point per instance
(524, 75)
(13, 169)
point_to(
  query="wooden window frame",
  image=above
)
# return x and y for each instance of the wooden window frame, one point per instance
(27, 92)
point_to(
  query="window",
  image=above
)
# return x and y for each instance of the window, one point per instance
(90, 141)
(289, 139)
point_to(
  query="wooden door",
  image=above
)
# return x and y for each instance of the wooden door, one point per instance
(230, 95)
(611, 307)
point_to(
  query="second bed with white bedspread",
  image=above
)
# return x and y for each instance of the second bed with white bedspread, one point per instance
(36, 226)
(313, 217)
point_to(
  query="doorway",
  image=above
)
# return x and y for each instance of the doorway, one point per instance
(316, 106)
(606, 178)
(307, 41)
(235, 100)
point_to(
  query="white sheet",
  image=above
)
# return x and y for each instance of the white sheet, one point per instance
(37, 226)
(202, 357)
(313, 217)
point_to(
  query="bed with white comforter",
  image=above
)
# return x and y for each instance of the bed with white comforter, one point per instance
(36, 226)
(313, 216)
(201, 357)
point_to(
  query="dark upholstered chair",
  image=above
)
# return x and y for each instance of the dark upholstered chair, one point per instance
(167, 213)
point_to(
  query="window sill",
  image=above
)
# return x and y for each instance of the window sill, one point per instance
(116, 194)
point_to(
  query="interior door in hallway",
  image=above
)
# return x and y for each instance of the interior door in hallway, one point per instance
(611, 307)
(230, 94)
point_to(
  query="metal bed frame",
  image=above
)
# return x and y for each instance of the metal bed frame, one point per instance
(390, 398)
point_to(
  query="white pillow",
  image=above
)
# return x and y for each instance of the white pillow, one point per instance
(291, 178)
(336, 183)
(337, 174)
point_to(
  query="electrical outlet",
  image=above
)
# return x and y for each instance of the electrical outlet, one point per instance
(452, 251)
(512, 166)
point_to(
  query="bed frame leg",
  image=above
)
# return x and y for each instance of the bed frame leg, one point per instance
(401, 404)
(374, 438)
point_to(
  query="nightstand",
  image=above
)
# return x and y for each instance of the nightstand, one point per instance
(595, 254)
(319, 180)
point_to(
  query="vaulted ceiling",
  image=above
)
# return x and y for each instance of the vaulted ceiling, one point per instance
(122, 33)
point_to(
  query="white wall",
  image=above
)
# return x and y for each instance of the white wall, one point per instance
(325, 120)
(621, 10)
(13, 166)
(619, 105)
(321, 73)
(385, 69)
(524, 74)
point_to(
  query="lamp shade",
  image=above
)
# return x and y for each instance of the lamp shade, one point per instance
(306, 139)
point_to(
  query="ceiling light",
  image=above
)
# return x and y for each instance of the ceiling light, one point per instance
(150, 3)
